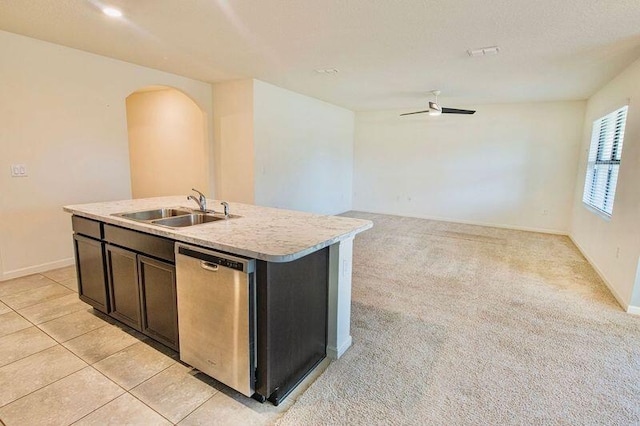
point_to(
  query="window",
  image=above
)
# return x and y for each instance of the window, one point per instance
(604, 161)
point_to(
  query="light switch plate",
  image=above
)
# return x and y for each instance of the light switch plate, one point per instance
(19, 170)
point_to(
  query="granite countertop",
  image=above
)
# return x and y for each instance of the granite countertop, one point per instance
(265, 233)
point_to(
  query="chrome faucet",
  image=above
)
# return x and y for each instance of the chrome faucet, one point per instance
(226, 209)
(201, 200)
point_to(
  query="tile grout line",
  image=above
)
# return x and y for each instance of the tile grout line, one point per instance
(13, 310)
(159, 372)
(49, 384)
(17, 331)
(151, 408)
(29, 289)
(101, 359)
(204, 402)
(151, 377)
(75, 337)
(70, 313)
(146, 380)
(35, 353)
(43, 301)
(108, 402)
(55, 318)
(23, 317)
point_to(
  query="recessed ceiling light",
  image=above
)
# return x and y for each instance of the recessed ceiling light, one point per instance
(110, 11)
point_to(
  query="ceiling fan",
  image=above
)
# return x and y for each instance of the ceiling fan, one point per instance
(435, 109)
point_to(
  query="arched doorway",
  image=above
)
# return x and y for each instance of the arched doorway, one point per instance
(168, 153)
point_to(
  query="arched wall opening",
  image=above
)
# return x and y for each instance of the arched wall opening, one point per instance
(168, 152)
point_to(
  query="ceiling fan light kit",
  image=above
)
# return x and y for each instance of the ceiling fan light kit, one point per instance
(435, 109)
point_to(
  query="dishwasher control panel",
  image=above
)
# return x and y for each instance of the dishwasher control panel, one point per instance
(238, 265)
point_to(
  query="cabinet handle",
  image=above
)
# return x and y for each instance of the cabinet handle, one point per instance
(209, 266)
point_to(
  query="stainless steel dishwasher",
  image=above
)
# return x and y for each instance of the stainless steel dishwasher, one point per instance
(216, 315)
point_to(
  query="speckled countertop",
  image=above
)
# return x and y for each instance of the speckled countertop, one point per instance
(262, 233)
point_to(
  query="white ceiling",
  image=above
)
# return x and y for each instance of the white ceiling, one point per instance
(390, 53)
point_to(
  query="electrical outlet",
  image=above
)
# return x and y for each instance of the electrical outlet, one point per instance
(19, 170)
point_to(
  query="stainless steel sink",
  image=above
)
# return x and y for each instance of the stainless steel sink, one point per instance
(154, 214)
(174, 217)
(187, 220)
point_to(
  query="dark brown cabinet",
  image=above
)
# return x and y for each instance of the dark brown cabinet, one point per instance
(122, 272)
(92, 286)
(142, 283)
(128, 275)
(143, 294)
(158, 300)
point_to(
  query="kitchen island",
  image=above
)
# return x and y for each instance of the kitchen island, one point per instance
(302, 275)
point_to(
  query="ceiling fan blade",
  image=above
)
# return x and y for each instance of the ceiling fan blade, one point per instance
(417, 112)
(457, 111)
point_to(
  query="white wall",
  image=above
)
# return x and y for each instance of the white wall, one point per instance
(613, 247)
(278, 148)
(233, 136)
(510, 165)
(168, 150)
(63, 115)
(303, 152)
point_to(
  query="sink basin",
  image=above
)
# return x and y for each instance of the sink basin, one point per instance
(187, 220)
(154, 214)
(174, 217)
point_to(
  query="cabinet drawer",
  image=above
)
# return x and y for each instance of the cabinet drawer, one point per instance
(88, 227)
(150, 245)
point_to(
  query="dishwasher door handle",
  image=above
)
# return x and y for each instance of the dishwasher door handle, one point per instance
(208, 266)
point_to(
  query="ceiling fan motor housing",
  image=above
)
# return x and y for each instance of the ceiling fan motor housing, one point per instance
(435, 109)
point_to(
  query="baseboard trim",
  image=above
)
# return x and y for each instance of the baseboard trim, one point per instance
(335, 353)
(633, 310)
(604, 279)
(470, 222)
(17, 273)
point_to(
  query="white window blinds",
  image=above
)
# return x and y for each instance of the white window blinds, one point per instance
(604, 161)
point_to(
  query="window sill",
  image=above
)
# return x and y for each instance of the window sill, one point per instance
(597, 212)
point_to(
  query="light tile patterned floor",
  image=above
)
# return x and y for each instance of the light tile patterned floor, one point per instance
(63, 363)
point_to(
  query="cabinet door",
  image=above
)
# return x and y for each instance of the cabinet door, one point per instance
(158, 293)
(92, 285)
(122, 271)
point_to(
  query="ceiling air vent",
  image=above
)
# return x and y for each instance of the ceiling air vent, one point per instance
(484, 51)
(327, 71)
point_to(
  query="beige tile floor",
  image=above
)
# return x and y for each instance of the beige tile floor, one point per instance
(63, 363)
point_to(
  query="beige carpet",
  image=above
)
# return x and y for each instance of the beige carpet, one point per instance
(458, 324)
